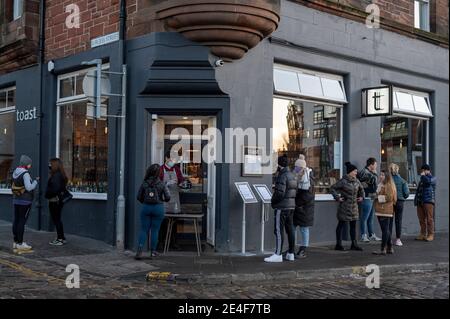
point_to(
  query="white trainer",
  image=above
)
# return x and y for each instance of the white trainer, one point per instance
(398, 243)
(23, 246)
(374, 238)
(14, 245)
(290, 257)
(365, 238)
(274, 259)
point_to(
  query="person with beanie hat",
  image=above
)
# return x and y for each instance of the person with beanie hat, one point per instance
(22, 187)
(424, 201)
(283, 202)
(304, 203)
(348, 191)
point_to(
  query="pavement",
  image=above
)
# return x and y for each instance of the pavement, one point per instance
(103, 262)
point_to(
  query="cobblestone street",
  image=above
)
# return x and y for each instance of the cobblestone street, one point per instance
(38, 280)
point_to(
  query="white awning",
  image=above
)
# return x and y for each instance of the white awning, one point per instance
(309, 84)
(413, 103)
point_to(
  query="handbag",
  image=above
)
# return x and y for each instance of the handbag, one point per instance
(65, 196)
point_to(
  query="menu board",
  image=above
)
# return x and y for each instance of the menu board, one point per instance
(263, 192)
(246, 192)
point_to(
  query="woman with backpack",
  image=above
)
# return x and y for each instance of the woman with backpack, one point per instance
(23, 194)
(384, 210)
(304, 203)
(402, 195)
(56, 186)
(152, 194)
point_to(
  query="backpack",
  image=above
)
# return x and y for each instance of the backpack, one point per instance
(150, 193)
(18, 190)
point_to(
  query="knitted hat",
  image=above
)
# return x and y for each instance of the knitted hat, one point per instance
(350, 167)
(25, 160)
(301, 161)
(283, 161)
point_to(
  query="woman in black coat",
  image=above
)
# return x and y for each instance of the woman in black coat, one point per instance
(304, 203)
(56, 185)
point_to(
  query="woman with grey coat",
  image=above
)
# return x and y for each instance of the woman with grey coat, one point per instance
(348, 191)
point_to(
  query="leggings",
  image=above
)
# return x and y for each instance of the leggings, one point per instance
(340, 229)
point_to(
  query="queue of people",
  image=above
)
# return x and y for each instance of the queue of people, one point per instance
(361, 195)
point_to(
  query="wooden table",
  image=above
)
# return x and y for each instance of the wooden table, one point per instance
(195, 218)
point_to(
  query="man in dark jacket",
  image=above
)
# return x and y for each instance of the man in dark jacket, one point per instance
(283, 201)
(425, 200)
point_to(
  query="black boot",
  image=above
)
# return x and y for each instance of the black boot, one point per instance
(138, 254)
(355, 246)
(301, 252)
(339, 246)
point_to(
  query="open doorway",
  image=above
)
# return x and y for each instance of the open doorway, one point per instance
(198, 195)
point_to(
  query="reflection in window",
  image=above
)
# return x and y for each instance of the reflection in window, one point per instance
(7, 134)
(295, 133)
(402, 143)
(84, 148)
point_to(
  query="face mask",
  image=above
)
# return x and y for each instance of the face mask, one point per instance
(170, 164)
(49, 167)
(297, 169)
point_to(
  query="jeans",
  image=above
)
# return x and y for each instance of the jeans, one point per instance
(21, 213)
(304, 241)
(398, 218)
(55, 212)
(367, 217)
(284, 220)
(340, 229)
(151, 219)
(386, 224)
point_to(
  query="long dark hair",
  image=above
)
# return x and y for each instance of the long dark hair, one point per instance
(56, 165)
(152, 172)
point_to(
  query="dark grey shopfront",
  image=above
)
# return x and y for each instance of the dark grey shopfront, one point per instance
(173, 80)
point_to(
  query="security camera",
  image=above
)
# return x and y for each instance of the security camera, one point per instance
(154, 117)
(219, 63)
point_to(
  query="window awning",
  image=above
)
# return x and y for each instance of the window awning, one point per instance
(309, 84)
(416, 104)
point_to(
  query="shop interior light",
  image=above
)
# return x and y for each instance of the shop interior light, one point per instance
(5, 131)
(86, 122)
(401, 143)
(106, 130)
(383, 152)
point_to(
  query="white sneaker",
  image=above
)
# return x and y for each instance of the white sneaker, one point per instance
(23, 246)
(365, 238)
(398, 242)
(374, 238)
(290, 257)
(274, 259)
(14, 245)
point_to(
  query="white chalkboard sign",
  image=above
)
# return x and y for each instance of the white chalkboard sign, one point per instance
(246, 192)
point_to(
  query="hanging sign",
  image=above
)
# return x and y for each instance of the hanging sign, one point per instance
(377, 101)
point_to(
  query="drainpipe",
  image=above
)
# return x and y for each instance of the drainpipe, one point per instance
(41, 62)
(120, 211)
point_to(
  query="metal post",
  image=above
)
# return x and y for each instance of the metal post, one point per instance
(263, 222)
(98, 91)
(120, 224)
(243, 229)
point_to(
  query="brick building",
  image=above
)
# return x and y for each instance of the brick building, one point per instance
(314, 56)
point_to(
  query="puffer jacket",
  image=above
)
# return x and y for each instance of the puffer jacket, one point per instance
(385, 209)
(350, 189)
(426, 190)
(285, 190)
(368, 180)
(402, 188)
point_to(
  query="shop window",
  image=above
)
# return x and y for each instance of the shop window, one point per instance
(7, 134)
(309, 84)
(298, 129)
(403, 143)
(82, 138)
(422, 14)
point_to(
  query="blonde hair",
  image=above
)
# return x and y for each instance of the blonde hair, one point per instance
(390, 185)
(393, 169)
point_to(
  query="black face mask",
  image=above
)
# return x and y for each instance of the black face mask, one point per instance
(50, 167)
